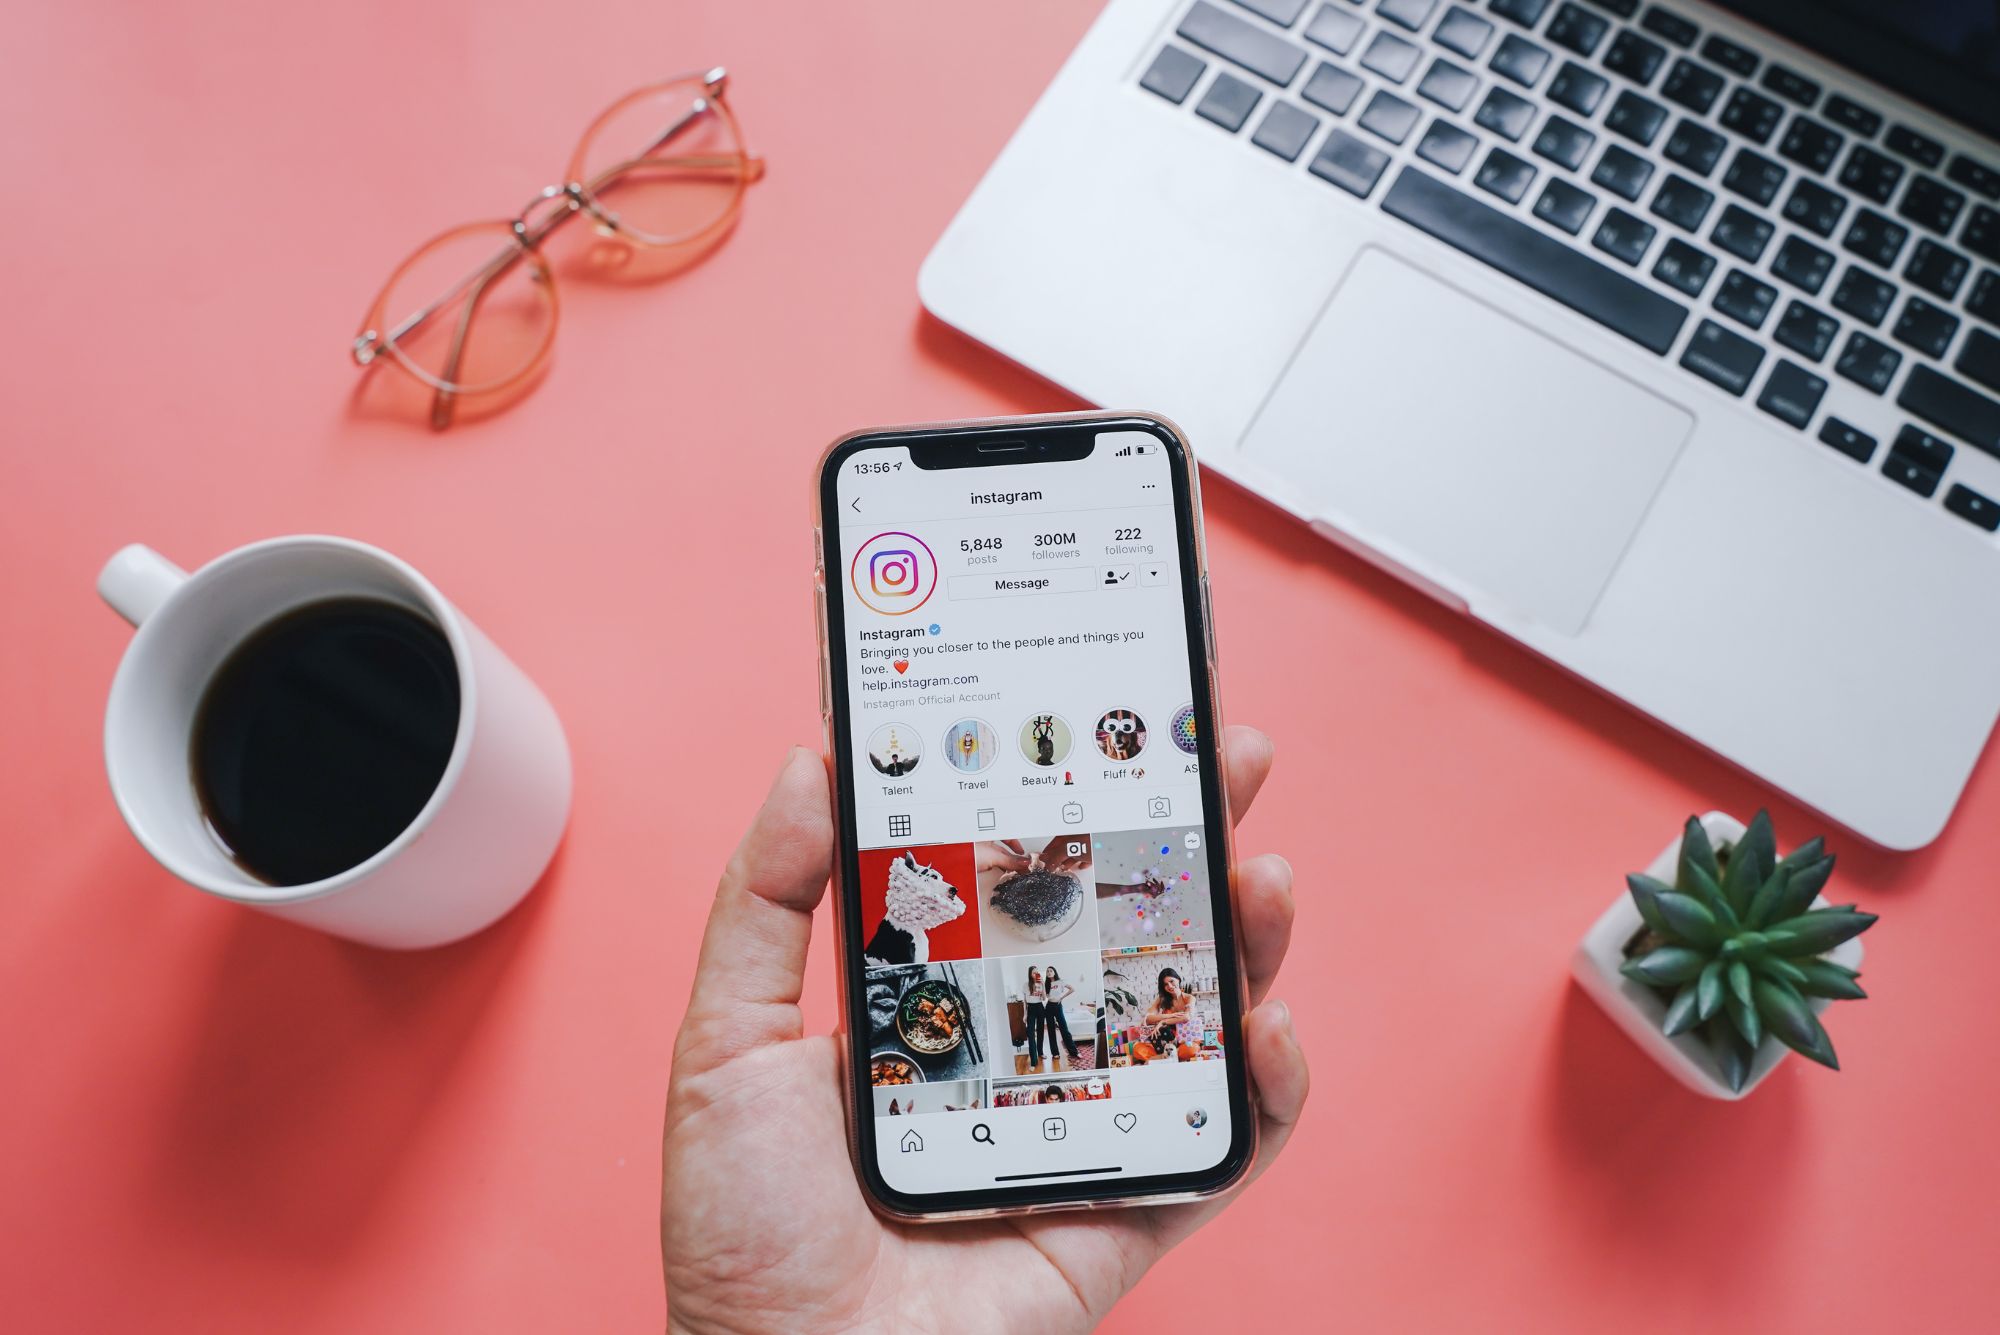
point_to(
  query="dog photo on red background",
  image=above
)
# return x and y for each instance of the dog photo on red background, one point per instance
(917, 904)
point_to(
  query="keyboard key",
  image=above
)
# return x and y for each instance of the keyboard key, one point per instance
(1577, 88)
(1636, 118)
(1504, 175)
(1447, 84)
(1284, 13)
(1624, 9)
(1624, 237)
(1527, 13)
(1984, 303)
(1925, 327)
(1564, 141)
(1937, 270)
(1622, 172)
(1745, 299)
(1968, 504)
(1505, 114)
(1531, 256)
(1975, 176)
(1852, 115)
(1692, 86)
(1982, 233)
(1285, 130)
(1228, 102)
(1917, 147)
(1664, 23)
(1726, 360)
(1633, 57)
(1867, 362)
(1792, 394)
(1875, 239)
(1519, 59)
(1806, 331)
(1447, 146)
(1791, 86)
(1907, 471)
(1753, 176)
(1864, 296)
(1738, 60)
(1172, 74)
(1751, 115)
(1575, 28)
(1242, 42)
(1931, 203)
(1810, 144)
(1462, 31)
(1682, 267)
(1979, 359)
(1803, 265)
(1814, 207)
(1851, 441)
(1870, 173)
(1922, 447)
(1409, 14)
(1695, 147)
(1335, 29)
(1390, 56)
(1958, 409)
(1332, 88)
(1389, 116)
(1349, 163)
(1742, 233)
(1682, 203)
(1564, 205)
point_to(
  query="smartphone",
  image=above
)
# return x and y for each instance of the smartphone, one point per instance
(1042, 997)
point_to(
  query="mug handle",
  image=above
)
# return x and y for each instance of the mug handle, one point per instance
(137, 580)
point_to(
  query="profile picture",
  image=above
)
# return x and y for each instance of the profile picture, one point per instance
(894, 749)
(1197, 1118)
(1045, 740)
(1121, 734)
(970, 746)
(1182, 730)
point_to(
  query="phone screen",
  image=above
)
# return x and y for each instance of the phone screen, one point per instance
(1043, 1003)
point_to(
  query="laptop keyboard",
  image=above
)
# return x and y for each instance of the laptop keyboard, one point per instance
(1668, 183)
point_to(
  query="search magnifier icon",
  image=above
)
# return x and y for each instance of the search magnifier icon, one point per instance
(983, 1134)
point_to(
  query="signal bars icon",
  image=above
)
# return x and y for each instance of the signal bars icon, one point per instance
(1122, 452)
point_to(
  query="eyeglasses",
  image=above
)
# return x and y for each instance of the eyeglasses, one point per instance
(472, 312)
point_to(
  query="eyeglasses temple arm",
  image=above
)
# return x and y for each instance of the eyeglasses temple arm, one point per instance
(444, 402)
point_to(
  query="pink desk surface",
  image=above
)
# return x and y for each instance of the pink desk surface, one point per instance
(216, 1122)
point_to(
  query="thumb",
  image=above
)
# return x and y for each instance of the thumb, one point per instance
(753, 954)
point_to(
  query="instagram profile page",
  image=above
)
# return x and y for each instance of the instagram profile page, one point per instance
(1042, 993)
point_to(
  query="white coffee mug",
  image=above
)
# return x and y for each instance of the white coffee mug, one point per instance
(475, 849)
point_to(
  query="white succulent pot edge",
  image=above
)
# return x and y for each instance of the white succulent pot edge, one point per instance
(1640, 1011)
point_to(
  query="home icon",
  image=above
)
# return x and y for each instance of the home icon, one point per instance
(912, 1143)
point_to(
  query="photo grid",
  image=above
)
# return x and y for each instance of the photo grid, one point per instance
(1035, 968)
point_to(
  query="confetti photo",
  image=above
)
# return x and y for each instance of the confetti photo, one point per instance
(1152, 888)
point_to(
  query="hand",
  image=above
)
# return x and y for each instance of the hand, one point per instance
(762, 1223)
(1057, 857)
(994, 860)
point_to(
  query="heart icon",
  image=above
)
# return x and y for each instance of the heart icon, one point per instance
(1126, 1121)
(901, 665)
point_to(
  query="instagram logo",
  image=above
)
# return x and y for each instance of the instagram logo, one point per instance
(893, 573)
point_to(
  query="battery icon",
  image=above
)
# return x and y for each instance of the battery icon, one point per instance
(1148, 448)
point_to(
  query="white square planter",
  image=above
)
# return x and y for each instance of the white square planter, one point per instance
(1640, 1011)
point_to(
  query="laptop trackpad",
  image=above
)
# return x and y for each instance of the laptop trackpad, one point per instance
(1466, 445)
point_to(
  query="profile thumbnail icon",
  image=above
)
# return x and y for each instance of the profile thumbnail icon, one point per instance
(894, 749)
(1186, 737)
(970, 746)
(893, 573)
(1045, 740)
(1121, 734)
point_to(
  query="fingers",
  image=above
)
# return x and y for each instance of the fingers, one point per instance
(1264, 908)
(1246, 762)
(753, 954)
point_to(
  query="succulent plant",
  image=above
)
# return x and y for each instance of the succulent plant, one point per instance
(1735, 945)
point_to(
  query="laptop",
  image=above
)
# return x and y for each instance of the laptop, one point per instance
(1663, 338)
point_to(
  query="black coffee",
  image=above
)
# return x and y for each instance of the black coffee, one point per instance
(322, 736)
